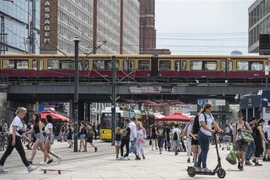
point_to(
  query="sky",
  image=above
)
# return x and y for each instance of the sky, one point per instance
(202, 26)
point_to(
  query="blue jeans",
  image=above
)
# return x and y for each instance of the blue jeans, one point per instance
(132, 148)
(204, 143)
(250, 150)
(160, 142)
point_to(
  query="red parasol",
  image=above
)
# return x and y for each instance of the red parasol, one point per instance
(55, 116)
(175, 117)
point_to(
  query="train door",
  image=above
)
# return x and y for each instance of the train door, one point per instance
(84, 67)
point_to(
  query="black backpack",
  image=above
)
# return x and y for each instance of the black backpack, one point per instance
(175, 137)
(196, 125)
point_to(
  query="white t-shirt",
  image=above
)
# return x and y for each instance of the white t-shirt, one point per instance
(48, 127)
(267, 129)
(188, 129)
(16, 122)
(178, 132)
(209, 121)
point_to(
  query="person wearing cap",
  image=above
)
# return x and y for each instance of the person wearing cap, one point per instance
(239, 145)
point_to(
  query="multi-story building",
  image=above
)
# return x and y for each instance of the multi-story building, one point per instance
(19, 26)
(93, 22)
(259, 23)
(148, 30)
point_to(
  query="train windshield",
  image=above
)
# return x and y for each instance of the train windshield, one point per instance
(106, 120)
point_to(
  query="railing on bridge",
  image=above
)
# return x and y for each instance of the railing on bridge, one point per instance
(139, 81)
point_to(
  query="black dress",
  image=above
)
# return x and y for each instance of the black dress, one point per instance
(258, 142)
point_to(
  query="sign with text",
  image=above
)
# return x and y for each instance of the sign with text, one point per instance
(151, 90)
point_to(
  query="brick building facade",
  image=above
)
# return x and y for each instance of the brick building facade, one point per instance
(147, 29)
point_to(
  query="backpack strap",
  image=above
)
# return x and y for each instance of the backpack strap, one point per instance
(205, 118)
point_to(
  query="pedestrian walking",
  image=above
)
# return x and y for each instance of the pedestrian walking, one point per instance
(239, 145)
(125, 139)
(161, 136)
(133, 135)
(49, 141)
(118, 138)
(89, 138)
(140, 141)
(69, 135)
(14, 140)
(251, 146)
(153, 136)
(82, 132)
(176, 132)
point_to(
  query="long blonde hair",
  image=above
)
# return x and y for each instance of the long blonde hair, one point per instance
(206, 106)
(20, 109)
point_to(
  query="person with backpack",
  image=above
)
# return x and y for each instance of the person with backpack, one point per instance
(187, 131)
(176, 138)
(195, 145)
(206, 120)
(251, 146)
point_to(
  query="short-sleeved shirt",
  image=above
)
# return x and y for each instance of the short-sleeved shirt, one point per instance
(209, 121)
(266, 129)
(188, 129)
(16, 122)
(48, 127)
(178, 132)
(161, 132)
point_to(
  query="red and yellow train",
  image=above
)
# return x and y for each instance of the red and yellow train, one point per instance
(141, 67)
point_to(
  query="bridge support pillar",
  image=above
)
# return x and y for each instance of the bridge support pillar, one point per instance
(70, 110)
(87, 112)
(81, 111)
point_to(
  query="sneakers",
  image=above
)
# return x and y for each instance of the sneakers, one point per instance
(198, 169)
(31, 168)
(248, 163)
(50, 161)
(143, 157)
(95, 149)
(188, 160)
(264, 159)
(137, 158)
(59, 159)
(3, 170)
(42, 163)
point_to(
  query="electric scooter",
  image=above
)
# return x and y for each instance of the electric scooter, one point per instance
(221, 173)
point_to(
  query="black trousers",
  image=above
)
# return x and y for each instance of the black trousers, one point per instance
(125, 142)
(19, 148)
(183, 144)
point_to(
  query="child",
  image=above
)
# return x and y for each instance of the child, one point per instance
(118, 138)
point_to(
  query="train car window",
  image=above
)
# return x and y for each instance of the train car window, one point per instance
(144, 65)
(210, 65)
(22, 64)
(230, 65)
(223, 66)
(98, 64)
(242, 65)
(8, 64)
(177, 65)
(125, 65)
(184, 65)
(203, 65)
(165, 65)
(256, 66)
(37, 63)
(66, 65)
(196, 65)
(53, 64)
(83, 65)
(131, 64)
(108, 64)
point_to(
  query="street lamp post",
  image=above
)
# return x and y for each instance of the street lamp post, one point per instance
(266, 71)
(113, 97)
(76, 93)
